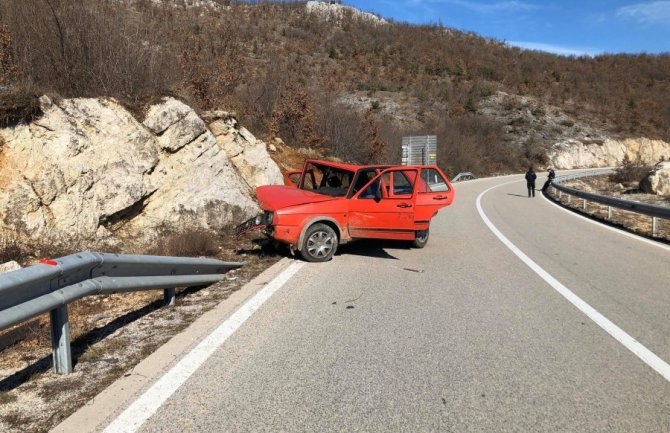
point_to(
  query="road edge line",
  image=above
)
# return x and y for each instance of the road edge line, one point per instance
(646, 355)
(132, 418)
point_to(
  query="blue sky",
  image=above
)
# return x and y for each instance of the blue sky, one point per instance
(569, 27)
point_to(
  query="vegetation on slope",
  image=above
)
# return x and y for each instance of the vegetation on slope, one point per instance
(288, 73)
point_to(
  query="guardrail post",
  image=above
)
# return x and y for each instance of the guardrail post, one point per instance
(170, 297)
(609, 212)
(560, 194)
(569, 198)
(584, 205)
(654, 226)
(60, 340)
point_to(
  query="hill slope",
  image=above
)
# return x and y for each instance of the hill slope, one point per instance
(328, 76)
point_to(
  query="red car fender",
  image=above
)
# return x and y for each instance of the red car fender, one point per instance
(315, 220)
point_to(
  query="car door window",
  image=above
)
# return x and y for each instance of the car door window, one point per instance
(398, 184)
(364, 176)
(432, 181)
(310, 182)
(369, 191)
(402, 185)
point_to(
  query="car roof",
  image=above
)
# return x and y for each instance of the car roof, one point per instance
(348, 167)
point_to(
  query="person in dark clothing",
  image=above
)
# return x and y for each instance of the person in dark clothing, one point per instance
(530, 181)
(550, 176)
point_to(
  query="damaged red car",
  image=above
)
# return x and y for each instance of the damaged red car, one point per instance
(330, 204)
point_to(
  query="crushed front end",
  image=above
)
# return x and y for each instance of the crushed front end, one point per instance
(259, 222)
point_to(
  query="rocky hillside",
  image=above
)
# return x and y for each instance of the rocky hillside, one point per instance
(335, 79)
(543, 130)
(88, 169)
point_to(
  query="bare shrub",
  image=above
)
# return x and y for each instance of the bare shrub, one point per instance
(630, 171)
(535, 151)
(343, 129)
(7, 66)
(184, 242)
(273, 63)
(91, 49)
(11, 248)
(18, 107)
(476, 144)
(375, 146)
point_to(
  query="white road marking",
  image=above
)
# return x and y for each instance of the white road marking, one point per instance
(619, 334)
(605, 226)
(144, 407)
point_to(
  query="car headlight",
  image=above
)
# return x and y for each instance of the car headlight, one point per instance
(269, 216)
(259, 220)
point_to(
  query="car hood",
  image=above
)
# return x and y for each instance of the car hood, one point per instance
(275, 197)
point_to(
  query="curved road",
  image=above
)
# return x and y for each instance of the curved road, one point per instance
(462, 336)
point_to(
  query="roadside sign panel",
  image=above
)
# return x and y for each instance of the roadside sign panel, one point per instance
(419, 150)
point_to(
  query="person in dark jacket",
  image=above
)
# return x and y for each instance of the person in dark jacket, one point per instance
(530, 181)
(550, 176)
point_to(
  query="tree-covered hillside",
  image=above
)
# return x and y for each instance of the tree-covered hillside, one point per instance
(317, 80)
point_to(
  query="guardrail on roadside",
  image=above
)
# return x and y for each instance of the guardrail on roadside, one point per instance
(466, 175)
(654, 211)
(51, 285)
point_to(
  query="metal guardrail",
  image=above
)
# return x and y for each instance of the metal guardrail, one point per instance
(51, 285)
(466, 175)
(654, 211)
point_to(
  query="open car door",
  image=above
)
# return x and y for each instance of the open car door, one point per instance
(433, 192)
(384, 208)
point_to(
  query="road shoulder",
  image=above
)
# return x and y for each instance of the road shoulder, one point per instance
(104, 407)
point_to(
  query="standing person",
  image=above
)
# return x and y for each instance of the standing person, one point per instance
(530, 181)
(550, 177)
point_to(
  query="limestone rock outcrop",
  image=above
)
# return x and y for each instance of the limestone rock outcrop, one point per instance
(569, 142)
(88, 169)
(574, 153)
(658, 181)
(249, 155)
(337, 12)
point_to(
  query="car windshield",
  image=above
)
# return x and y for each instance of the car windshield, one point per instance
(325, 179)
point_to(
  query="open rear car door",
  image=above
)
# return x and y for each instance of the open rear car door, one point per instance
(433, 192)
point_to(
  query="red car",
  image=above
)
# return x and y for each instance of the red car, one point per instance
(334, 203)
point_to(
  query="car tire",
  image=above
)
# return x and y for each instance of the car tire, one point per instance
(320, 243)
(421, 238)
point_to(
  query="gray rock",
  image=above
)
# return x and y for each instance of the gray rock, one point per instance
(249, 155)
(87, 169)
(9, 267)
(658, 180)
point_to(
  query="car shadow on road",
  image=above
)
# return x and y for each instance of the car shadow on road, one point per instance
(373, 248)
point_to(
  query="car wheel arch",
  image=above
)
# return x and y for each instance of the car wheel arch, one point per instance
(324, 220)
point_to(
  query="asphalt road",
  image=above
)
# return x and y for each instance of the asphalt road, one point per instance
(461, 336)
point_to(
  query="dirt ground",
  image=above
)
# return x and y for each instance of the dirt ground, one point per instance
(110, 335)
(631, 221)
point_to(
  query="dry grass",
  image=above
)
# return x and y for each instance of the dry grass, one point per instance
(187, 242)
(631, 221)
(285, 71)
(110, 334)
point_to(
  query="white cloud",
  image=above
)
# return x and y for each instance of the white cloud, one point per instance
(555, 49)
(656, 12)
